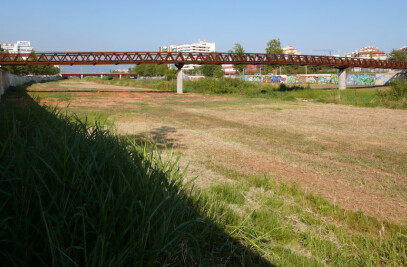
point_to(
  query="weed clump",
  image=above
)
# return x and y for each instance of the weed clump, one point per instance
(398, 91)
(396, 96)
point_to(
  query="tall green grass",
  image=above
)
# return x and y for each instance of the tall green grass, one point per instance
(369, 97)
(396, 96)
(76, 195)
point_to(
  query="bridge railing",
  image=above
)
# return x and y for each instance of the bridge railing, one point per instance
(114, 58)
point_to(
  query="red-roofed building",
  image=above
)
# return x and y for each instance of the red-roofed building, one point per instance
(371, 52)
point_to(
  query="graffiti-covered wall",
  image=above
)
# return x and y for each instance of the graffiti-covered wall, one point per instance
(351, 79)
(7, 80)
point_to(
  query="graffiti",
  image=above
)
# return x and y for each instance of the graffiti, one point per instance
(351, 79)
(383, 79)
(311, 79)
(366, 79)
(275, 79)
(254, 79)
(335, 79)
(301, 79)
(291, 79)
(195, 78)
(324, 79)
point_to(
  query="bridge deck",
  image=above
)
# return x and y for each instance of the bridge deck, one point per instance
(115, 58)
(98, 74)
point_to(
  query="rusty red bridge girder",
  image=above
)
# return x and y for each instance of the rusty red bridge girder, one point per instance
(115, 58)
(67, 74)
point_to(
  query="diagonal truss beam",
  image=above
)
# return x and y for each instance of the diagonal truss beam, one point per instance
(115, 58)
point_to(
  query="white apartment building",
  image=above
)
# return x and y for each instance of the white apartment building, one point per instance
(200, 47)
(19, 47)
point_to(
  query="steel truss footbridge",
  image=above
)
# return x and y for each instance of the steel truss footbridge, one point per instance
(179, 59)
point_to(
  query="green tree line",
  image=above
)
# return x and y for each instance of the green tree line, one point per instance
(30, 70)
(149, 70)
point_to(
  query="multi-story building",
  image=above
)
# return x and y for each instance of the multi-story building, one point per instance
(368, 52)
(371, 52)
(200, 47)
(290, 50)
(19, 47)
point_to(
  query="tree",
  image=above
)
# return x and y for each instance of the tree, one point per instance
(170, 74)
(30, 70)
(398, 55)
(238, 48)
(149, 70)
(273, 47)
(218, 73)
(211, 70)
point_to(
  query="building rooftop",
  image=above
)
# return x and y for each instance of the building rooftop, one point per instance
(371, 50)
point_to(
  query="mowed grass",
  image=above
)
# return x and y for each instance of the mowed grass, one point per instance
(283, 223)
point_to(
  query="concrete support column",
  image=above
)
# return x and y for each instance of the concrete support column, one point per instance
(342, 79)
(120, 76)
(81, 76)
(101, 76)
(179, 78)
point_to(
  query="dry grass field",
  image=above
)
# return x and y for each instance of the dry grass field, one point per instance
(352, 156)
(243, 149)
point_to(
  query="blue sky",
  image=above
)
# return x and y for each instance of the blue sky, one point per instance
(121, 25)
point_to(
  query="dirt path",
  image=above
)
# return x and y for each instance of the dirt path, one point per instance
(353, 156)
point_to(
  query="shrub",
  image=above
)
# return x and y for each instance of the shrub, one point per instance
(398, 90)
(170, 74)
(396, 97)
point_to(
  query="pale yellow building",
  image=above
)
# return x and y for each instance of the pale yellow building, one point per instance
(290, 50)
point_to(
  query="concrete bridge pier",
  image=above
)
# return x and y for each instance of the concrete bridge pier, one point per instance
(342, 78)
(179, 78)
(81, 76)
(101, 76)
(120, 76)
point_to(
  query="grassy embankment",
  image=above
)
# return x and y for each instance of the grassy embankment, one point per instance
(81, 194)
(74, 194)
(358, 96)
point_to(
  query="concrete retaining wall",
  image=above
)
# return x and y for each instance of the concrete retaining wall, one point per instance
(7, 80)
(351, 79)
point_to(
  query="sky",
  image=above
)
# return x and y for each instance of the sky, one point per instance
(124, 25)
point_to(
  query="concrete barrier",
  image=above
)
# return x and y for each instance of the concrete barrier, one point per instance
(7, 80)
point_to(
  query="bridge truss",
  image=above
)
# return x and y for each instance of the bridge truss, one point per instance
(180, 58)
